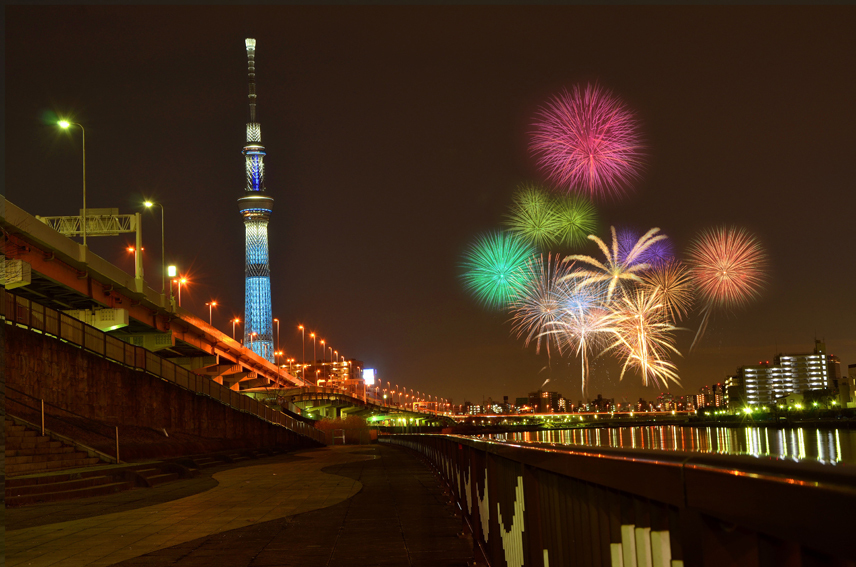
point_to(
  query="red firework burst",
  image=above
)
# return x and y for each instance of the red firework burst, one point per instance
(588, 141)
(728, 267)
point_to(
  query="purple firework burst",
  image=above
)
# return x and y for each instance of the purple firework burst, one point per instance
(656, 254)
(588, 141)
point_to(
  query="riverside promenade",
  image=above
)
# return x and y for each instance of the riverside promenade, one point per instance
(333, 506)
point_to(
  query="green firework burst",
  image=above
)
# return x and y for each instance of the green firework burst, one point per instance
(495, 268)
(576, 217)
(533, 217)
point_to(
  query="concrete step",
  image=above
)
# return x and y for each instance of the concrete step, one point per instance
(86, 492)
(204, 462)
(52, 478)
(28, 442)
(146, 473)
(45, 466)
(16, 430)
(54, 447)
(57, 455)
(57, 486)
(162, 478)
(237, 457)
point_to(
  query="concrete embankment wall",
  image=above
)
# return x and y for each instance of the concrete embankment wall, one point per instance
(156, 418)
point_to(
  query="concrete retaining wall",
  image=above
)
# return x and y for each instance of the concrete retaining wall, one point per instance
(86, 384)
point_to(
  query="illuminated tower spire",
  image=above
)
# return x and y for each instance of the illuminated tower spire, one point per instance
(256, 207)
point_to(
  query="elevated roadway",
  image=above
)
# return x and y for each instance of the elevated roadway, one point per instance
(51, 269)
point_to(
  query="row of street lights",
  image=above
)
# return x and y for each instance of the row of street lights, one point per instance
(65, 125)
(334, 354)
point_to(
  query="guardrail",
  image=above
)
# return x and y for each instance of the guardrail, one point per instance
(541, 506)
(25, 313)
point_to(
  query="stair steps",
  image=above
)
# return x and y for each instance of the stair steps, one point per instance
(155, 476)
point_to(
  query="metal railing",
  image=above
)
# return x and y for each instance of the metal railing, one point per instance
(541, 506)
(37, 317)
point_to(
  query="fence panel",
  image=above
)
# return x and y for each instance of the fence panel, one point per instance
(93, 339)
(182, 377)
(37, 316)
(168, 370)
(153, 363)
(114, 349)
(52, 322)
(22, 310)
(71, 329)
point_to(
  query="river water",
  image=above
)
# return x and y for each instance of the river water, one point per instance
(828, 446)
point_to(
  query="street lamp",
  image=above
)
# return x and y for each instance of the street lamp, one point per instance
(235, 321)
(65, 124)
(314, 356)
(211, 305)
(323, 350)
(277, 333)
(180, 281)
(303, 335)
(252, 336)
(150, 204)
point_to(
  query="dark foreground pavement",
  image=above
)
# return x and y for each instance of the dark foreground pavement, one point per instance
(398, 516)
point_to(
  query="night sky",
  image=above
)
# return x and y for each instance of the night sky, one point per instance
(395, 136)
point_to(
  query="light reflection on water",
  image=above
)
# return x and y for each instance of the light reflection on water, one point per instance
(827, 446)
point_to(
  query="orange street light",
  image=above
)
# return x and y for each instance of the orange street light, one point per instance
(314, 356)
(235, 321)
(211, 305)
(303, 335)
(181, 282)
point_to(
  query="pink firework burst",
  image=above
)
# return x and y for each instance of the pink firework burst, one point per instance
(588, 141)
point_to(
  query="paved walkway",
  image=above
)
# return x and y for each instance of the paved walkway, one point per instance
(350, 506)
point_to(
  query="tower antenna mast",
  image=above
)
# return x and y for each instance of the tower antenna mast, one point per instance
(255, 208)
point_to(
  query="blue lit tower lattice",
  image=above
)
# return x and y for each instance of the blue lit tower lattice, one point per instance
(256, 207)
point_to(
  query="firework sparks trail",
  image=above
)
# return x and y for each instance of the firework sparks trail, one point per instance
(672, 285)
(584, 322)
(542, 302)
(588, 141)
(643, 337)
(494, 268)
(615, 270)
(728, 268)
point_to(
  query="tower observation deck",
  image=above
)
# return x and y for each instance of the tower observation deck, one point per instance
(255, 207)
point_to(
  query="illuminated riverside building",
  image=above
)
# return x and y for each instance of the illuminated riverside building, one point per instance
(255, 208)
(761, 384)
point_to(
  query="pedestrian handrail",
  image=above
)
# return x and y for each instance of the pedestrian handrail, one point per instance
(17, 405)
(539, 506)
(37, 317)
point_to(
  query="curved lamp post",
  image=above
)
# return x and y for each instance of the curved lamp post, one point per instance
(149, 205)
(65, 124)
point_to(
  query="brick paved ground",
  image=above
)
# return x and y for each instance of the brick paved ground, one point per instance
(343, 506)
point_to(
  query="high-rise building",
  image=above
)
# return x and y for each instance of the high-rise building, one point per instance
(833, 368)
(765, 382)
(256, 207)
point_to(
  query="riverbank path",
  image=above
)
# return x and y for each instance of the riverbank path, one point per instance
(334, 506)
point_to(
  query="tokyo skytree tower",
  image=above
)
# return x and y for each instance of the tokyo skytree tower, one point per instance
(256, 207)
